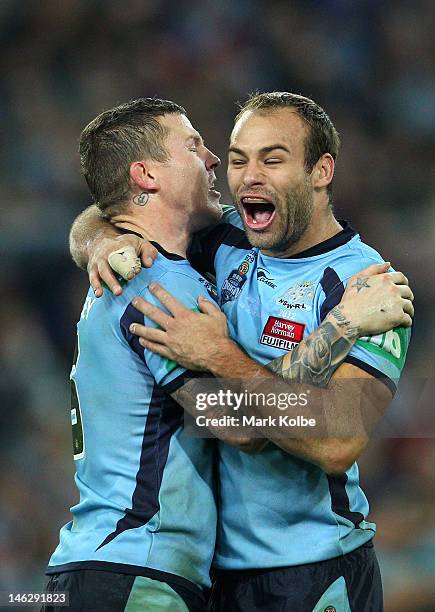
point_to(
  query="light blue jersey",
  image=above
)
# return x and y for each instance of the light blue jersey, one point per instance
(277, 510)
(146, 498)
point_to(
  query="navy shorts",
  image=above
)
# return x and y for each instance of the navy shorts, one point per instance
(350, 583)
(102, 591)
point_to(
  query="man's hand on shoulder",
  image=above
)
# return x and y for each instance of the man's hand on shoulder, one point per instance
(375, 301)
(194, 340)
(96, 244)
(124, 255)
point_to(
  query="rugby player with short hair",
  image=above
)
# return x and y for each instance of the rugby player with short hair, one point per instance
(143, 533)
(292, 530)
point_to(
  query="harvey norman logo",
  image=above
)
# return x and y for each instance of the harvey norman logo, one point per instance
(282, 334)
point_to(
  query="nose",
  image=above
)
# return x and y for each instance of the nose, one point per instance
(212, 161)
(252, 175)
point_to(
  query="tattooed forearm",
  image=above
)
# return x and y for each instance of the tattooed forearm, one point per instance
(351, 331)
(315, 360)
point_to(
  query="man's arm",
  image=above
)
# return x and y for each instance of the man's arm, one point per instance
(385, 301)
(186, 396)
(93, 242)
(344, 414)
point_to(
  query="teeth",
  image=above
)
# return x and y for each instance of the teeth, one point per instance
(250, 200)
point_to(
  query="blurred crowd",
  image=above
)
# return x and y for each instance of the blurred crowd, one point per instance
(368, 63)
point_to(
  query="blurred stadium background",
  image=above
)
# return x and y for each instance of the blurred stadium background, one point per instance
(367, 62)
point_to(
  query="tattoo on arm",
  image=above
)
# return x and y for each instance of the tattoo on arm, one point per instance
(315, 360)
(352, 332)
(361, 283)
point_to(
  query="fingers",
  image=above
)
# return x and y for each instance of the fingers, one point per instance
(398, 278)
(375, 269)
(147, 253)
(106, 274)
(94, 280)
(175, 307)
(207, 307)
(408, 307)
(152, 312)
(406, 321)
(405, 292)
(125, 262)
(103, 272)
(148, 333)
(160, 349)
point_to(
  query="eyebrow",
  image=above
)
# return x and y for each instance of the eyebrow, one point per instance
(196, 139)
(263, 150)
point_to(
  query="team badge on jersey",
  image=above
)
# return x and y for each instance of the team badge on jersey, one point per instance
(233, 284)
(282, 334)
(298, 296)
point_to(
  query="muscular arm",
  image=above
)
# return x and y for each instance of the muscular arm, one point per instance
(315, 360)
(345, 413)
(341, 432)
(186, 396)
(93, 240)
(351, 404)
(88, 228)
(314, 363)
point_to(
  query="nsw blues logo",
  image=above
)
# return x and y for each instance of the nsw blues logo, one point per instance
(233, 284)
(298, 296)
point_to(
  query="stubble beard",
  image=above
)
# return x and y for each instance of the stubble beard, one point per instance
(295, 215)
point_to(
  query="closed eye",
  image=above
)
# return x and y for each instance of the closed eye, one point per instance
(272, 160)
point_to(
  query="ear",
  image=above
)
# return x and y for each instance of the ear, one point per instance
(323, 171)
(143, 176)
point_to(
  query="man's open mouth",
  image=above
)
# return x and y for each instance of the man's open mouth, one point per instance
(212, 191)
(259, 212)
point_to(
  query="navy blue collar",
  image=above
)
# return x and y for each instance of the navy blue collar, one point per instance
(161, 250)
(173, 256)
(346, 234)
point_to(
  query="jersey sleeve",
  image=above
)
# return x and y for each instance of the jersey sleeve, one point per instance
(383, 356)
(168, 374)
(205, 243)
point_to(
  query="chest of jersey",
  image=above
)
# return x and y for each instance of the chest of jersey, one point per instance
(270, 304)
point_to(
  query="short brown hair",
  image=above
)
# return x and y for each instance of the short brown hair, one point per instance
(116, 138)
(322, 137)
